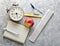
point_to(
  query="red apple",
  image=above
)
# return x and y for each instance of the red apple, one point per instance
(29, 22)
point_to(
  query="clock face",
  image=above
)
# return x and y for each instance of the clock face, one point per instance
(16, 13)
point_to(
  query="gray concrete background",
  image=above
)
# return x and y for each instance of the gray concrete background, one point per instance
(50, 36)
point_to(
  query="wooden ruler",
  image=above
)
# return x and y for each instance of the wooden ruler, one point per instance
(41, 25)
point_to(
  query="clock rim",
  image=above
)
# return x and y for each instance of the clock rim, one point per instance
(10, 15)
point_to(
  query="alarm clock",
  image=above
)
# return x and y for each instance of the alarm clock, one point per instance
(15, 13)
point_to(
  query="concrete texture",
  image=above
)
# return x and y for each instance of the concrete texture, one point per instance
(50, 36)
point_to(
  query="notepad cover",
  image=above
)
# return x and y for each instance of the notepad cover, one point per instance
(18, 28)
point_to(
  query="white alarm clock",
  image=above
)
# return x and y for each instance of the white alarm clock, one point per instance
(15, 12)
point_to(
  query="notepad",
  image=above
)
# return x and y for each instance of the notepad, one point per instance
(21, 30)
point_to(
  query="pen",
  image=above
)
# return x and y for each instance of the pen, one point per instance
(35, 8)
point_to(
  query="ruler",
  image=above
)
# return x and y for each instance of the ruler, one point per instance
(41, 25)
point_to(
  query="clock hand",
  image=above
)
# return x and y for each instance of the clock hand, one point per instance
(17, 15)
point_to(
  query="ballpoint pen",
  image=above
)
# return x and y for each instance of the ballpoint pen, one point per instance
(35, 8)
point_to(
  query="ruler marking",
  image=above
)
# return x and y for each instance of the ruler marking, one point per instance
(41, 25)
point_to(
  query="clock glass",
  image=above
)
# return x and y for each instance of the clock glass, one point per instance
(16, 13)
